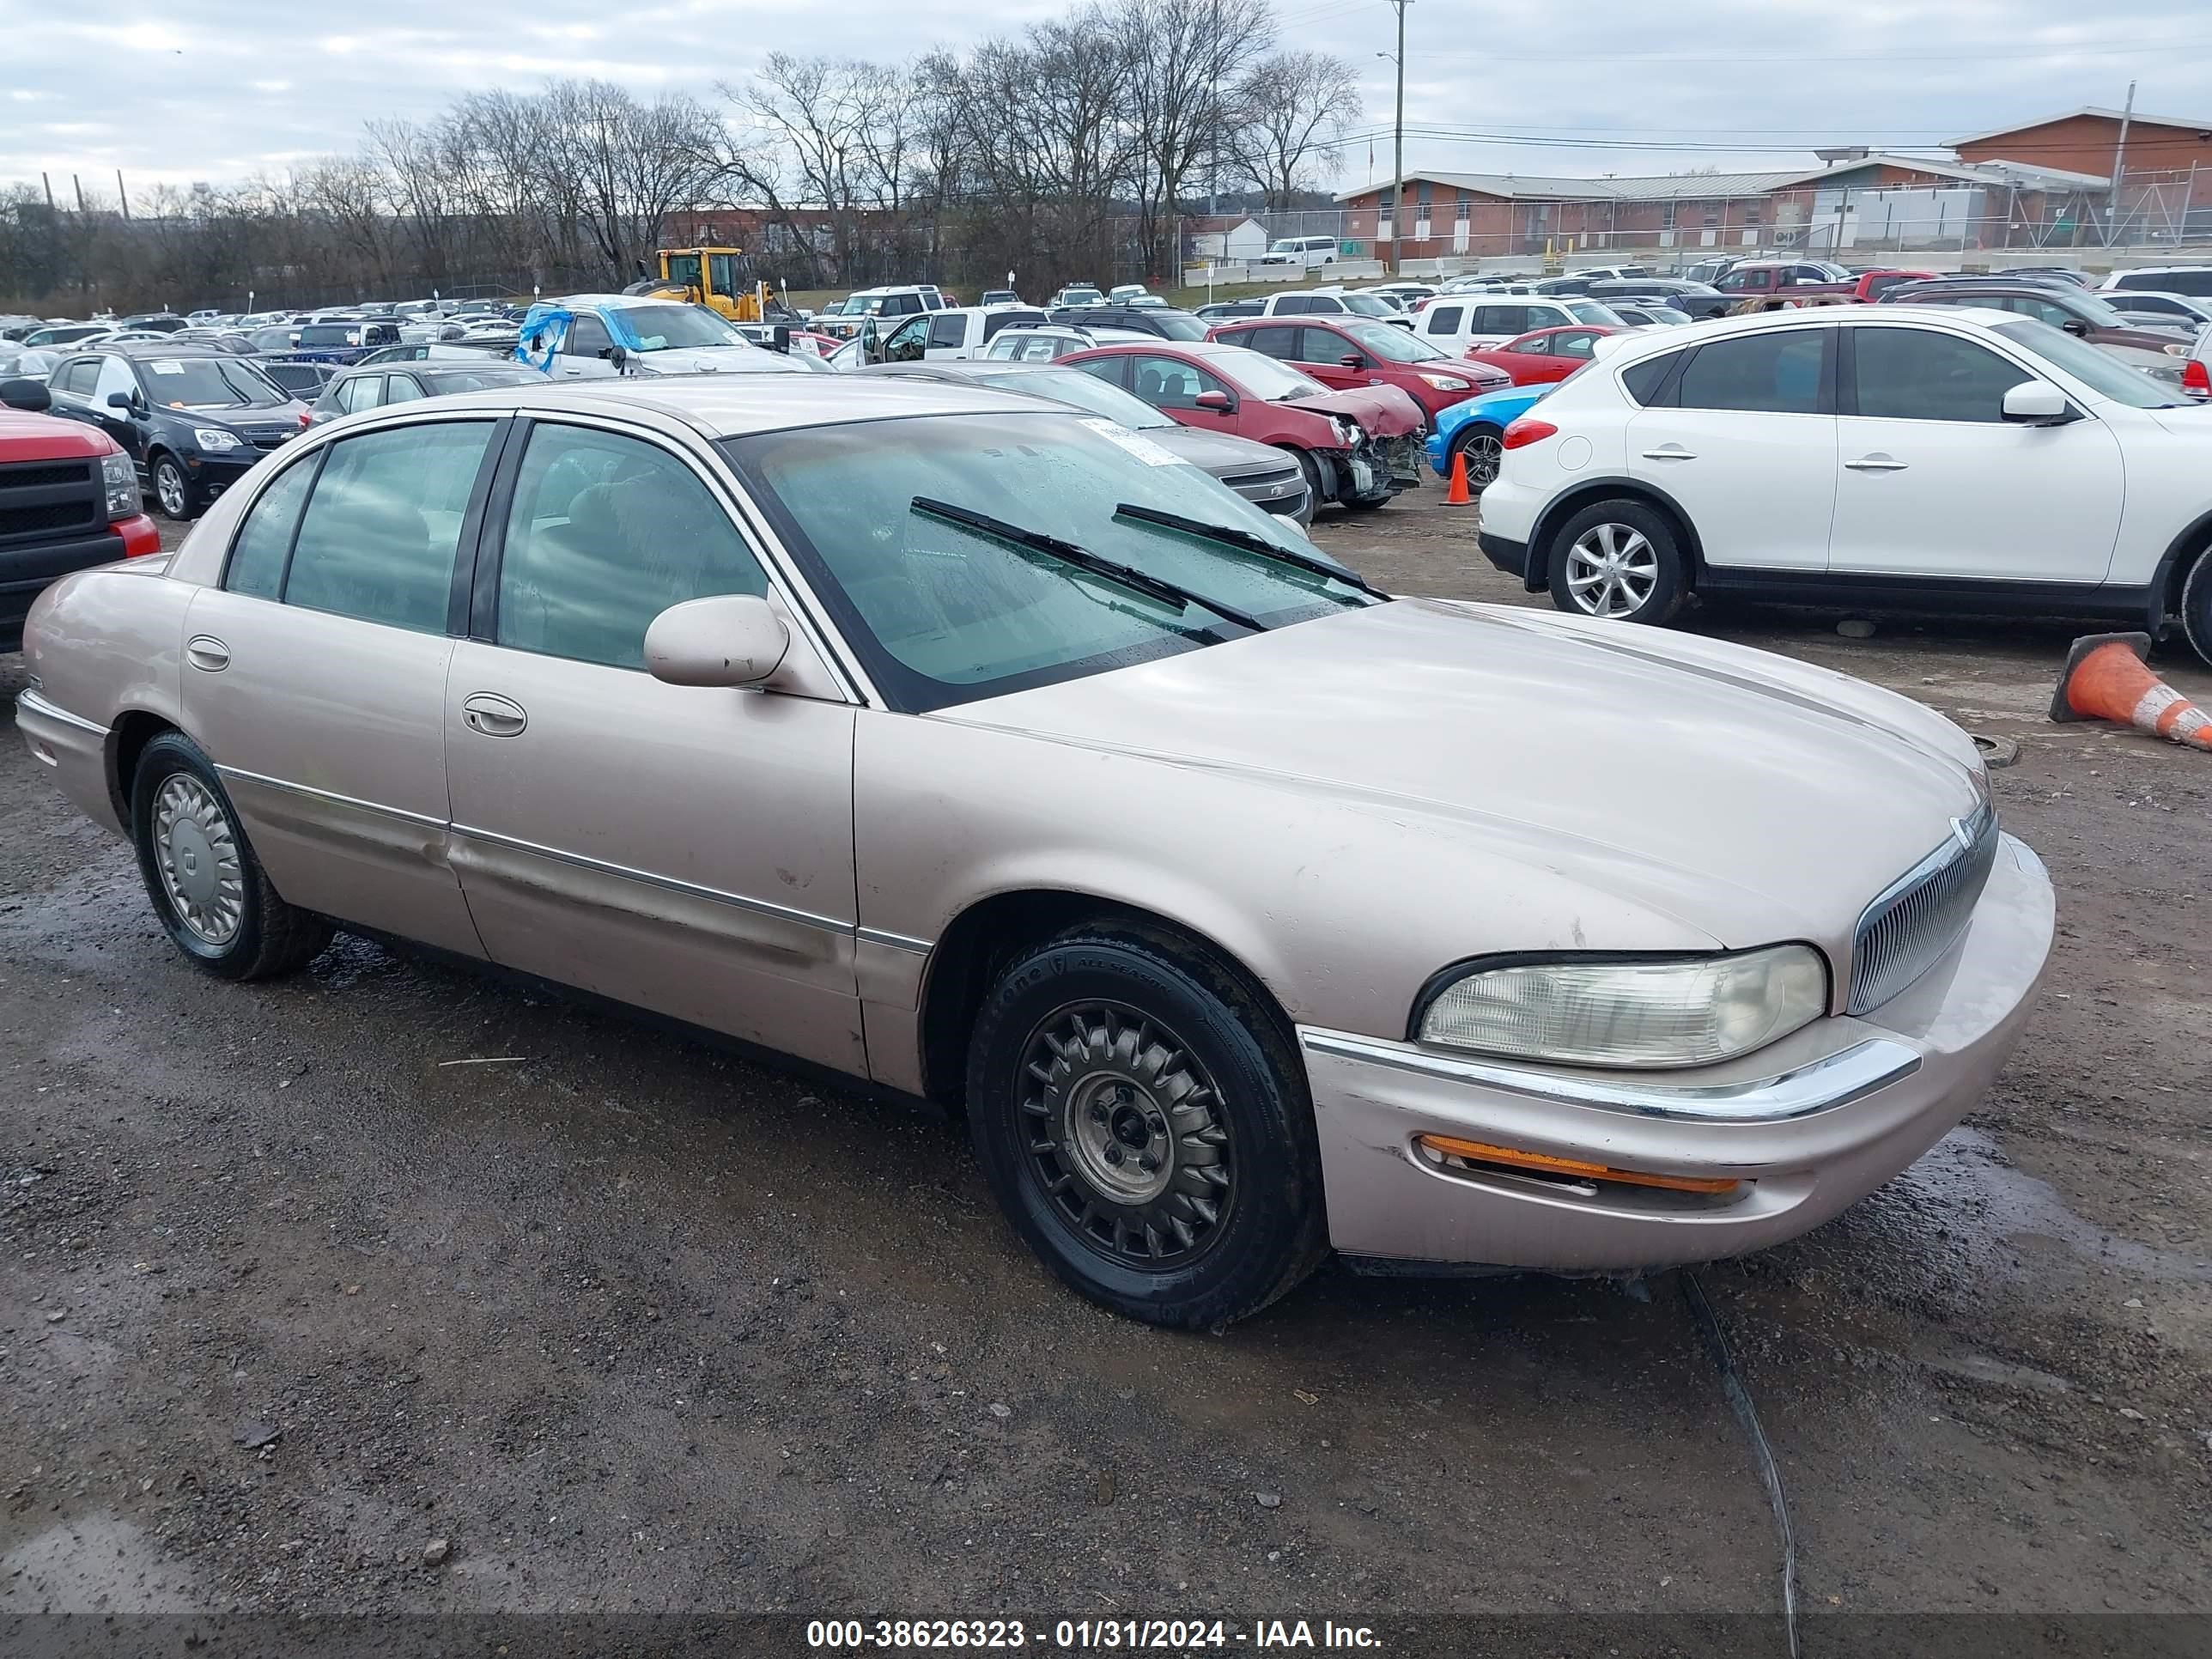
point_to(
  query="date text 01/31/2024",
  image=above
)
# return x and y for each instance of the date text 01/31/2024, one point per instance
(1166, 1635)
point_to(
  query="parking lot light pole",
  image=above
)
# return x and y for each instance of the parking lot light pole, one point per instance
(1398, 135)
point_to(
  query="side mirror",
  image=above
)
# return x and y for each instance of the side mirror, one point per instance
(780, 338)
(122, 400)
(1219, 401)
(619, 357)
(2036, 403)
(732, 639)
(1352, 360)
(2075, 325)
(30, 395)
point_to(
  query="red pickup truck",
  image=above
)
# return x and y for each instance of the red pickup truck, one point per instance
(69, 499)
(1801, 279)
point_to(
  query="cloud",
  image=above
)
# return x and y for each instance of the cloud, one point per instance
(1509, 85)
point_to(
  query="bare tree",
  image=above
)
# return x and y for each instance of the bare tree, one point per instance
(1286, 117)
(1184, 56)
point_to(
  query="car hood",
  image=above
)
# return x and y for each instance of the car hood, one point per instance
(1744, 796)
(715, 360)
(1221, 454)
(1384, 411)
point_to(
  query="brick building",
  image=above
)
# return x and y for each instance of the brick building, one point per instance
(1900, 200)
(2088, 140)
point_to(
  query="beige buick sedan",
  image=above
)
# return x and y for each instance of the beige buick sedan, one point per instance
(989, 753)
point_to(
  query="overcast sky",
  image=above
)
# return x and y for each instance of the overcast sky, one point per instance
(180, 93)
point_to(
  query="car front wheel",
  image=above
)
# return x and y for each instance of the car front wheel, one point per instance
(173, 490)
(1146, 1128)
(208, 888)
(1618, 559)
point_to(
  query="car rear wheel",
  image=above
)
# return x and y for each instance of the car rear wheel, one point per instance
(1146, 1126)
(1618, 559)
(173, 490)
(1484, 447)
(208, 888)
(2196, 606)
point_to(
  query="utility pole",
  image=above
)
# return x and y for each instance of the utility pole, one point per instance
(122, 194)
(2119, 168)
(1398, 140)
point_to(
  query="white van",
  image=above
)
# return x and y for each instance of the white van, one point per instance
(2194, 281)
(1307, 250)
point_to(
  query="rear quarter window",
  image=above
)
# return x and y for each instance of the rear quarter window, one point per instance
(1643, 380)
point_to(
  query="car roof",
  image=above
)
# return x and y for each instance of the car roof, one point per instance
(160, 348)
(736, 405)
(1635, 344)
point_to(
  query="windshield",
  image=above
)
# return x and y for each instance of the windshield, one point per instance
(1263, 377)
(447, 381)
(2093, 366)
(662, 328)
(207, 383)
(2099, 312)
(1176, 326)
(1086, 392)
(1392, 345)
(1366, 305)
(1589, 310)
(945, 615)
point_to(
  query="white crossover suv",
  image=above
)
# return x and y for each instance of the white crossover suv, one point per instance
(1900, 457)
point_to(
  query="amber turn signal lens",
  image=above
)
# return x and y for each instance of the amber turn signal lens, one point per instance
(1476, 1151)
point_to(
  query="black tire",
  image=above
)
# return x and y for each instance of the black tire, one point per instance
(2196, 606)
(175, 495)
(1483, 446)
(1310, 469)
(248, 931)
(1237, 1219)
(1652, 579)
(1368, 503)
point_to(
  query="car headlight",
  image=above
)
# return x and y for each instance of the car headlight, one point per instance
(1582, 1012)
(1348, 432)
(214, 439)
(119, 481)
(1445, 382)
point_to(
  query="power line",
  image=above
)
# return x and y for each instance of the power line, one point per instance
(2058, 50)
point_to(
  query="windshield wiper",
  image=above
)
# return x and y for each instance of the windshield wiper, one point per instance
(1138, 581)
(1230, 535)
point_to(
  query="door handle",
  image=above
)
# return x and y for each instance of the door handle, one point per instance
(1670, 453)
(493, 716)
(1877, 462)
(207, 651)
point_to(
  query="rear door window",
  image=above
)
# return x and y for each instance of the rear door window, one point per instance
(1776, 372)
(1274, 341)
(381, 532)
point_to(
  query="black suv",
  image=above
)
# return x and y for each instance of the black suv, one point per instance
(192, 418)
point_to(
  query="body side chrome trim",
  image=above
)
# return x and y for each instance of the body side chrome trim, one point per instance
(762, 906)
(38, 705)
(920, 947)
(268, 782)
(1820, 1086)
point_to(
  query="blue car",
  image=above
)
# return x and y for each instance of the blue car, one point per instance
(1476, 426)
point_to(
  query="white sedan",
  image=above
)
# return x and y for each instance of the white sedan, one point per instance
(1914, 457)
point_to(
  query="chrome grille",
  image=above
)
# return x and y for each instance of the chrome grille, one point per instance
(1922, 914)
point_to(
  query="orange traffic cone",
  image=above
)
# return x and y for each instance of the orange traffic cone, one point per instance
(1456, 496)
(2106, 680)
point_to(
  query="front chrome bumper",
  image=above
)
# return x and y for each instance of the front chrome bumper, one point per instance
(1807, 1126)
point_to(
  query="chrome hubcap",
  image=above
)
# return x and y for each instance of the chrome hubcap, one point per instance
(169, 484)
(1482, 457)
(196, 851)
(1125, 1134)
(1611, 570)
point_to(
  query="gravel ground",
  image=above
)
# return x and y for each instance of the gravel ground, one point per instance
(294, 1316)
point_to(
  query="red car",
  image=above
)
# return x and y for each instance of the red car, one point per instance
(1869, 284)
(1355, 352)
(1357, 448)
(69, 500)
(1544, 355)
